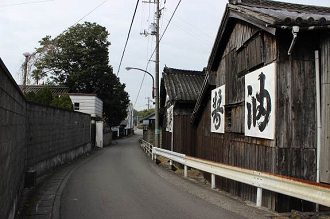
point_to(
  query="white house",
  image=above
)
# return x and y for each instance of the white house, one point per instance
(130, 117)
(87, 103)
(90, 104)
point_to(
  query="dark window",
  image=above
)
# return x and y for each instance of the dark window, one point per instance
(76, 106)
(228, 119)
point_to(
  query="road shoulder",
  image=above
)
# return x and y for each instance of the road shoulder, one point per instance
(214, 196)
(43, 200)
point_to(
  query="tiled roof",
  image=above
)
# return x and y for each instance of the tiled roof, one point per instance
(82, 94)
(152, 116)
(281, 13)
(182, 85)
(56, 90)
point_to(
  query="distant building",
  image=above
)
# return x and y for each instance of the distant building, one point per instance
(55, 90)
(87, 103)
(130, 119)
(90, 104)
(82, 102)
(149, 128)
(179, 91)
(126, 126)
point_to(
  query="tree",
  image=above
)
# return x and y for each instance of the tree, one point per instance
(43, 96)
(62, 101)
(46, 97)
(30, 96)
(38, 75)
(144, 113)
(79, 59)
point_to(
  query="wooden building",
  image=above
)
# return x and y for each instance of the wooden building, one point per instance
(148, 123)
(178, 94)
(257, 108)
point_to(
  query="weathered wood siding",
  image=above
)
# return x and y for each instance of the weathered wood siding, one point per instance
(166, 140)
(296, 130)
(295, 119)
(184, 134)
(237, 150)
(247, 49)
(293, 152)
(325, 114)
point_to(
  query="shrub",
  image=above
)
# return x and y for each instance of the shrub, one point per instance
(62, 101)
(43, 96)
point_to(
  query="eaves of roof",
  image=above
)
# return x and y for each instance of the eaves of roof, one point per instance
(266, 15)
(182, 85)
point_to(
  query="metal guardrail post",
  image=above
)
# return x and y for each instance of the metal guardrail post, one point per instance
(301, 189)
(185, 171)
(259, 197)
(147, 148)
(212, 181)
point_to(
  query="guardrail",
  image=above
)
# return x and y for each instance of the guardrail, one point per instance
(302, 189)
(147, 147)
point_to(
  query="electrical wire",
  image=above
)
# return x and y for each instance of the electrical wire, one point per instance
(142, 18)
(144, 75)
(129, 32)
(155, 50)
(195, 35)
(90, 12)
(194, 26)
(83, 18)
(165, 29)
(25, 3)
(79, 19)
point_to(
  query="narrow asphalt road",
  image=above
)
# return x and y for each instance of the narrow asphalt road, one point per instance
(120, 183)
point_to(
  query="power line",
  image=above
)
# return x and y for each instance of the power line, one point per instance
(195, 27)
(79, 19)
(139, 90)
(141, 85)
(165, 29)
(25, 3)
(129, 32)
(90, 12)
(83, 17)
(155, 49)
(202, 39)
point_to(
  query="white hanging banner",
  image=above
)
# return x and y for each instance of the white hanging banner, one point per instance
(260, 96)
(218, 110)
(169, 119)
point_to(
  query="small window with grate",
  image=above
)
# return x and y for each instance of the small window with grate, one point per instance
(228, 119)
(234, 121)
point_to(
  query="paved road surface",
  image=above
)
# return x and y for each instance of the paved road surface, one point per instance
(120, 183)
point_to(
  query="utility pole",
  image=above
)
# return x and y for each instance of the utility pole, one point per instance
(27, 56)
(148, 104)
(155, 31)
(157, 131)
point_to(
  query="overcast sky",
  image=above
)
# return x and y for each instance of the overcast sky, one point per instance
(186, 44)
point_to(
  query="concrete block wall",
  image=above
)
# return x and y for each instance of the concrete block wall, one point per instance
(149, 135)
(107, 138)
(12, 143)
(54, 135)
(33, 136)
